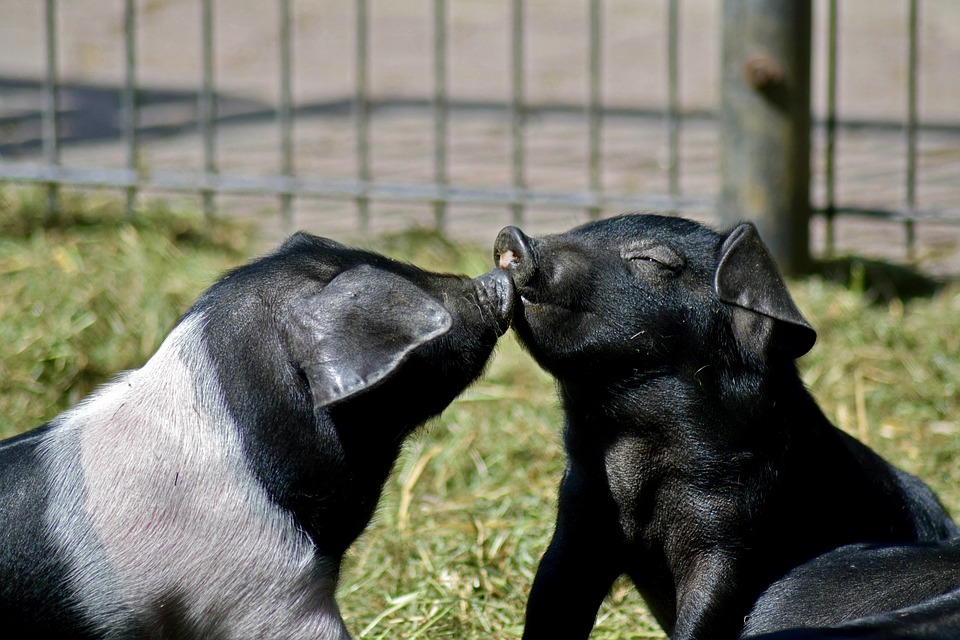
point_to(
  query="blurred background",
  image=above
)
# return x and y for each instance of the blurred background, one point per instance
(470, 114)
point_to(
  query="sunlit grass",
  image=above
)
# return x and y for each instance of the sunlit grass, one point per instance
(88, 293)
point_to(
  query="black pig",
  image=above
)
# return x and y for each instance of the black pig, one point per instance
(213, 492)
(697, 462)
(865, 591)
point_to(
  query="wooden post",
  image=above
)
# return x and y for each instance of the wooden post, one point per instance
(765, 124)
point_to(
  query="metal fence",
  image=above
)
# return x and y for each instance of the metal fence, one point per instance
(514, 191)
(910, 213)
(287, 184)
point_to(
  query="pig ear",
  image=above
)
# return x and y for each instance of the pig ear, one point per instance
(359, 329)
(765, 316)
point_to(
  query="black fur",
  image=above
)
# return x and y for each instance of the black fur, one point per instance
(33, 594)
(325, 358)
(697, 463)
(269, 395)
(866, 591)
(937, 618)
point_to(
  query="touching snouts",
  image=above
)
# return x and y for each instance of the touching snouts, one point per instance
(495, 290)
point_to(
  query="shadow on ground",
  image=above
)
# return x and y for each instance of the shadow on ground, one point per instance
(879, 282)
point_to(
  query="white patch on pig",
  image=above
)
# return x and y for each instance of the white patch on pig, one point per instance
(162, 523)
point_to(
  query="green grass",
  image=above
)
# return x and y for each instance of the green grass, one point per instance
(88, 294)
(470, 507)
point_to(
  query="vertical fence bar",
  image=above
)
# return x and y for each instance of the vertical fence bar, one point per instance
(440, 110)
(765, 124)
(129, 98)
(594, 115)
(912, 72)
(517, 114)
(362, 108)
(830, 207)
(50, 123)
(673, 98)
(208, 107)
(285, 114)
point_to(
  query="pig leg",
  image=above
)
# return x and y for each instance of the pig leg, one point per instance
(579, 566)
(710, 594)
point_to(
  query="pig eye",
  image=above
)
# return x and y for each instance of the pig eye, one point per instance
(656, 254)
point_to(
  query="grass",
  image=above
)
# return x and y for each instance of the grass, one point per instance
(470, 507)
(89, 293)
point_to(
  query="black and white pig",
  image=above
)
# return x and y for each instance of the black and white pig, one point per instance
(697, 462)
(213, 492)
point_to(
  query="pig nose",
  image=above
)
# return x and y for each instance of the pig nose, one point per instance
(513, 252)
(495, 291)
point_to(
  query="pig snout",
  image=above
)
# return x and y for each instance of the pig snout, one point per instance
(495, 292)
(513, 253)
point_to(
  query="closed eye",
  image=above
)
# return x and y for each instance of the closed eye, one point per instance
(659, 255)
